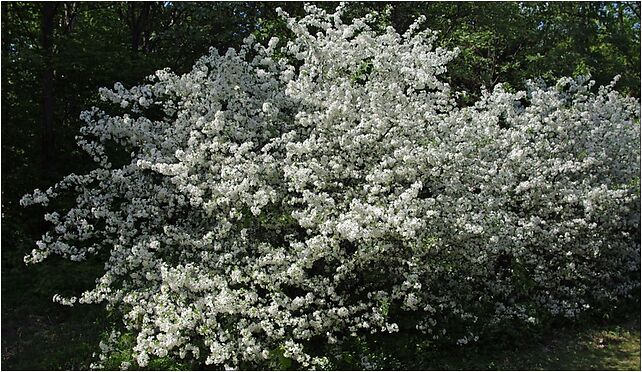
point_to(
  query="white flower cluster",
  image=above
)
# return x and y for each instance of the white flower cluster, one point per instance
(330, 185)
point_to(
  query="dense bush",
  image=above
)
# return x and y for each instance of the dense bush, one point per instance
(287, 196)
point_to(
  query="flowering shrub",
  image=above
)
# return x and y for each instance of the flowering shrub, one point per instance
(293, 194)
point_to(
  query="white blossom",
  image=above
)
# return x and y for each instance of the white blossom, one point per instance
(280, 199)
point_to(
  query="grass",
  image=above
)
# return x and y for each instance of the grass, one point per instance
(588, 345)
(611, 346)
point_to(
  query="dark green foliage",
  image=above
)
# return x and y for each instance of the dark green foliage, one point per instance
(510, 41)
(97, 44)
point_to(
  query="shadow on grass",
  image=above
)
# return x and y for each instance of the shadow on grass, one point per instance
(608, 347)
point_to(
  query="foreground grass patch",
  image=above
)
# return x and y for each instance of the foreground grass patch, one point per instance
(611, 346)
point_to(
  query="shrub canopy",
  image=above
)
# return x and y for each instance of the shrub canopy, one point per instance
(299, 192)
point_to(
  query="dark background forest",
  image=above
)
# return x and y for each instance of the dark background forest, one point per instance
(55, 56)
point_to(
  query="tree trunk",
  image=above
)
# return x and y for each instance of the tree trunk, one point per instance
(48, 14)
(139, 23)
(70, 10)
